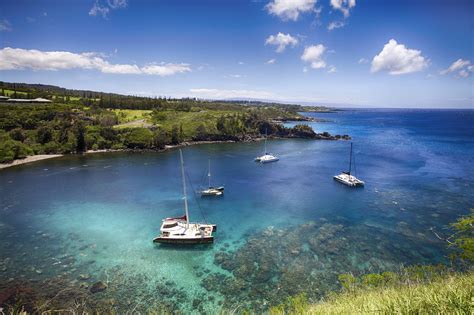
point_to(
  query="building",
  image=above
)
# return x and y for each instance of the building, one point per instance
(24, 100)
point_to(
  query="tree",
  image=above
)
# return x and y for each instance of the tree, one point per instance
(44, 135)
(139, 138)
(80, 131)
(175, 139)
(201, 133)
(160, 138)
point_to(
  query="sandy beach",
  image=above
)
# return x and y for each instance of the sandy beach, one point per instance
(29, 159)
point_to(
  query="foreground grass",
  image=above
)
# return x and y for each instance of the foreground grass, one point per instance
(452, 294)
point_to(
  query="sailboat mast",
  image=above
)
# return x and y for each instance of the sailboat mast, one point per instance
(184, 189)
(350, 161)
(265, 141)
(209, 172)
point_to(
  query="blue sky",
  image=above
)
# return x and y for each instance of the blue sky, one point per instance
(348, 52)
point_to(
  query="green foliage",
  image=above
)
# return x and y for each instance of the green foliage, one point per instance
(297, 304)
(347, 281)
(11, 149)
(78, 120)
(138, 138)
(464, 237)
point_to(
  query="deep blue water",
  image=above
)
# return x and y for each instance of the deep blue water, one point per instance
(96, 215)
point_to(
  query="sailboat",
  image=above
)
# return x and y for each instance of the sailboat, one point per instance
(179, 230)
(266, 157)
(347, 178)
(211, 191)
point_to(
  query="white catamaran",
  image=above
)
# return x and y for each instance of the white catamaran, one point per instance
(179, 230)
(347, 178)
(266, 157)
(211, 190)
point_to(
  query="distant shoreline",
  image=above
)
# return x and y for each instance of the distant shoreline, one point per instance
(40, 157)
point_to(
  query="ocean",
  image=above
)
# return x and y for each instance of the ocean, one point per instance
(283, 228)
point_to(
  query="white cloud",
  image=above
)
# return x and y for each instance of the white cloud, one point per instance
(98, 9)
(20, 59)
(281, 41)
(270, 61)
(332, 69)
(363, 61)
(335, 24)
(290, 9)
(114, 4)
(101, 9)
(461, 66)
(343, 5)
(224, 94)
(5, 26)
(166, 69)
(313, 54)
(236, 76)
(397, 59)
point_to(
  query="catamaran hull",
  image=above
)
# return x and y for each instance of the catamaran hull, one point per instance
(180, 241)
(357, 183)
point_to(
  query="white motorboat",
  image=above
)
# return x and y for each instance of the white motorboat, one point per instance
(347, 178)
(212, 191)
(179, 230)
(266, 157)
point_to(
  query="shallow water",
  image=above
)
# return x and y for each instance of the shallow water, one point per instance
(283, 228)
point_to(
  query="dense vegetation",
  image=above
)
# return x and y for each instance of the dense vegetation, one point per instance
(439, 289)
(77, 121)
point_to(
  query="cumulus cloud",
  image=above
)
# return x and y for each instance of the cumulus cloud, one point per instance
(343, 5)
(20, 59)
(335, 24)
(313, 55)
(281, 41)
(332, 69)
(5, 26)
(223, 94)
(363, 61)
(397, 59)
(290, 9)
(461, 67)
(270, 61)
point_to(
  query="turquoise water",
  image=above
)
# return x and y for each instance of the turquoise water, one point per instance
(283, 228)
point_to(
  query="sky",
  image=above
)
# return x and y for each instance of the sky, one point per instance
(367, 53)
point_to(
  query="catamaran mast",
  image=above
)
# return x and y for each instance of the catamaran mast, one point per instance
(265, 141)
(184, 189)
(209, 173)
(350, 161)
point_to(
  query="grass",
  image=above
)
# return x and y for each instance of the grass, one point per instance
(191, 120)
(129, 115)
(450, 294)
(9, 93)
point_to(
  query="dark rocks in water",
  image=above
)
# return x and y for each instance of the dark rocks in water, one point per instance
(99, 286)
(84, 276)
(196, 303)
